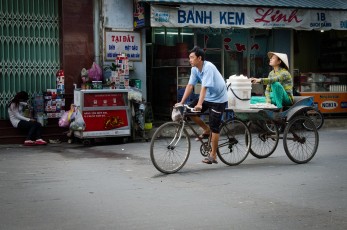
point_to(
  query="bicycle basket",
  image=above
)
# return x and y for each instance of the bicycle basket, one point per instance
(176, 114)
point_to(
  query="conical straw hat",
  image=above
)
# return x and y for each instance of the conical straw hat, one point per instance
(281, 56)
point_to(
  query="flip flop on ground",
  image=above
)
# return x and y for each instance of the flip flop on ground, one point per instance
(209, 160)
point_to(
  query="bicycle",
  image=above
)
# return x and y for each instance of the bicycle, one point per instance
(170, 144)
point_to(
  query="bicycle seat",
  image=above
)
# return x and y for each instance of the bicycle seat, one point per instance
(300, 100)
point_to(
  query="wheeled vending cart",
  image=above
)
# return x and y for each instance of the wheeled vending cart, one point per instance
(106, 113)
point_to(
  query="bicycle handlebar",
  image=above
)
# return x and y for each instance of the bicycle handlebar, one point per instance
(186, 106)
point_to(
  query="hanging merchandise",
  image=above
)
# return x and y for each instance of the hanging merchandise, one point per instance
(95, 72)
(54, 99)
(60, 82)
(122, 76)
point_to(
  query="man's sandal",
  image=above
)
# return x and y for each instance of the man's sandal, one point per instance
(203, 136)
(209, 160)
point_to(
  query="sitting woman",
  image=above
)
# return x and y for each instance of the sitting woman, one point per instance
(18, 120)
(279, 83)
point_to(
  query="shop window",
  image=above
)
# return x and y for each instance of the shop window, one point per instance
(159, 36)
(171, 44)
(235, 45)
(187, 37)
(245, 52)
(210, 40)
(258, 48)
(171, 36)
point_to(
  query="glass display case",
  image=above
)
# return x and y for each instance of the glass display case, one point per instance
(323, 82)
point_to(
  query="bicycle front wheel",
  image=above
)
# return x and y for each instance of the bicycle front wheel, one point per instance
(234, 142)
(170, 147)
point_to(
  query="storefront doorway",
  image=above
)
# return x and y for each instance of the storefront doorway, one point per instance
(30, 53)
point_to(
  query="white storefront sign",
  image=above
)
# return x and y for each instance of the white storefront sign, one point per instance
(128, 43)
(203, 16)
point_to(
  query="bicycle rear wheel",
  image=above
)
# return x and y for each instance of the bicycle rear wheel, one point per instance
(300, 143)
(234, 142)
(170, 147)
(316, 116)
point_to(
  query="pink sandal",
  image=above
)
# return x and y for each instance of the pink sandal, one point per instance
(29, 143)
(40, 142)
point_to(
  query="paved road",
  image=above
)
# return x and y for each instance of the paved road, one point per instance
(72, 187)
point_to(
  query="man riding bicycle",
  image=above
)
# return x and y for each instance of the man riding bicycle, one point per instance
(213, 96)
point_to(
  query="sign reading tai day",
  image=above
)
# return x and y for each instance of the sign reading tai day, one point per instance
(128, 43)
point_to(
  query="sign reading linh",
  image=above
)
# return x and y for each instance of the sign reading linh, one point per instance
(128, 43)
(203, 16)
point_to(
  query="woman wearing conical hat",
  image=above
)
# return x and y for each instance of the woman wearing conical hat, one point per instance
(279, 83)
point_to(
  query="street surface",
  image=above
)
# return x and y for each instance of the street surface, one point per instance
(72, 187)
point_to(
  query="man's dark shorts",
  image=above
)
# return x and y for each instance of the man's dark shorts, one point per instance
(216, 111)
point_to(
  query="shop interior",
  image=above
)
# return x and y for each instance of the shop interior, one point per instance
(233, 51)
(320, 61)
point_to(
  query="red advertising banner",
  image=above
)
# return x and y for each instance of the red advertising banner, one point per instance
(104, 99)
(102, 120)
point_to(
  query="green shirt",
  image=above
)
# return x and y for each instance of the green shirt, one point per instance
(282, 76)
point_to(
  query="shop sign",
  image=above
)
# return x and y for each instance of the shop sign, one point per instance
(128, 43)
(329, 102)
(104, 99)
(202, 16)
(140, 14)
(102, 120)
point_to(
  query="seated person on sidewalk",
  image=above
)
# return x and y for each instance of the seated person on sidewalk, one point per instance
(279, 83)
(18, 120)
(213, 97)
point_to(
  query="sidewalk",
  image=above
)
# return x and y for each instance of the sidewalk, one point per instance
(336, 122)
(329, 123)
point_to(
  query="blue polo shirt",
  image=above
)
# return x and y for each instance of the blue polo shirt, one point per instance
(210, 78)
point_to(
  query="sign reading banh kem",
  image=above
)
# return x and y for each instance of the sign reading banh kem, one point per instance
(203, 16)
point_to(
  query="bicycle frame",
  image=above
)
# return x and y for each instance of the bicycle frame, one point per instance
(228, 115)
(184, 122)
